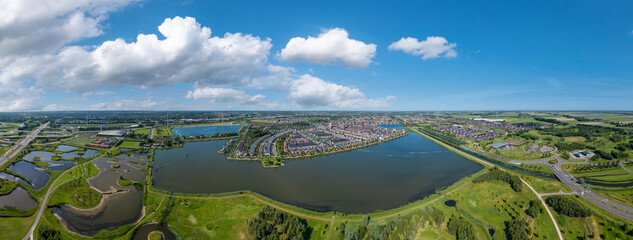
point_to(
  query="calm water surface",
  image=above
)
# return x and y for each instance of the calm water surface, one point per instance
(206, 130)
(31, 172)
(54, 165)
(18, 198)
(379, 177)
(118, 209)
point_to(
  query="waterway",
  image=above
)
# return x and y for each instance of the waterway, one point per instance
(379, 177)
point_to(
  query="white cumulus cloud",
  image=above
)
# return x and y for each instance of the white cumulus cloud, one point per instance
(432, 47)
(17, 98)
(225, 95)
(42, 26)
(187, 53)
(331, 47)
(312, 92)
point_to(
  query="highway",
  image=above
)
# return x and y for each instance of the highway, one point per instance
(21, 145)
(602, 202)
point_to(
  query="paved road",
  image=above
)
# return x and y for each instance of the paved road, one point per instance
(604, 203)
(151, 135)
(625, 169)
(557, 193)
(21, 145)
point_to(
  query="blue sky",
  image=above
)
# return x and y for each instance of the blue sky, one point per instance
(316, 55)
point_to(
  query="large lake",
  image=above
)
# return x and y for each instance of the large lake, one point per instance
(206, 130)
(379, 177)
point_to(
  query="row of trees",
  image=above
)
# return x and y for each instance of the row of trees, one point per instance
(516, 229)
(567, 206)
(609, 155)
(534, 209)
(403, 227)
(272, 224)
(460, 228)
(497, 174)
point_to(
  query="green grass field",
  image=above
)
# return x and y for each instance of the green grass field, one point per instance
(615, 178)
(600, 225)
(130, 144)
(543, 185)
(15, 228)
(164, 131)
(80, 142)
(213, 219)
(621, 195)
(142, 131)
(77, 192)
(607, 171)
(495, 202)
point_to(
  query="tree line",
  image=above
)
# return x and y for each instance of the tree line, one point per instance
(497, 174)
(568, 206)
(272, 224)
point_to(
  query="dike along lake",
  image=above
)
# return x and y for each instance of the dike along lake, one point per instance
(378, 177)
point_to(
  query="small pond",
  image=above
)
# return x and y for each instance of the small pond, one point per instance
(54, 165)
(143, 232)
(18, 198)
(31, 172)
(13, 178)
(65, 148)
(89, 153)
(450, 203)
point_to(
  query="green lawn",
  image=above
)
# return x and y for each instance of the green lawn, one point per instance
(614, 178)
(621, 195)
(164, 131)
(494, 203)
(213, 219)
(142, 131)
(77, 192)
(15, 228)
(130, 144)
(80, 142)
(543, 185)
(600, 225)
(608, 171)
